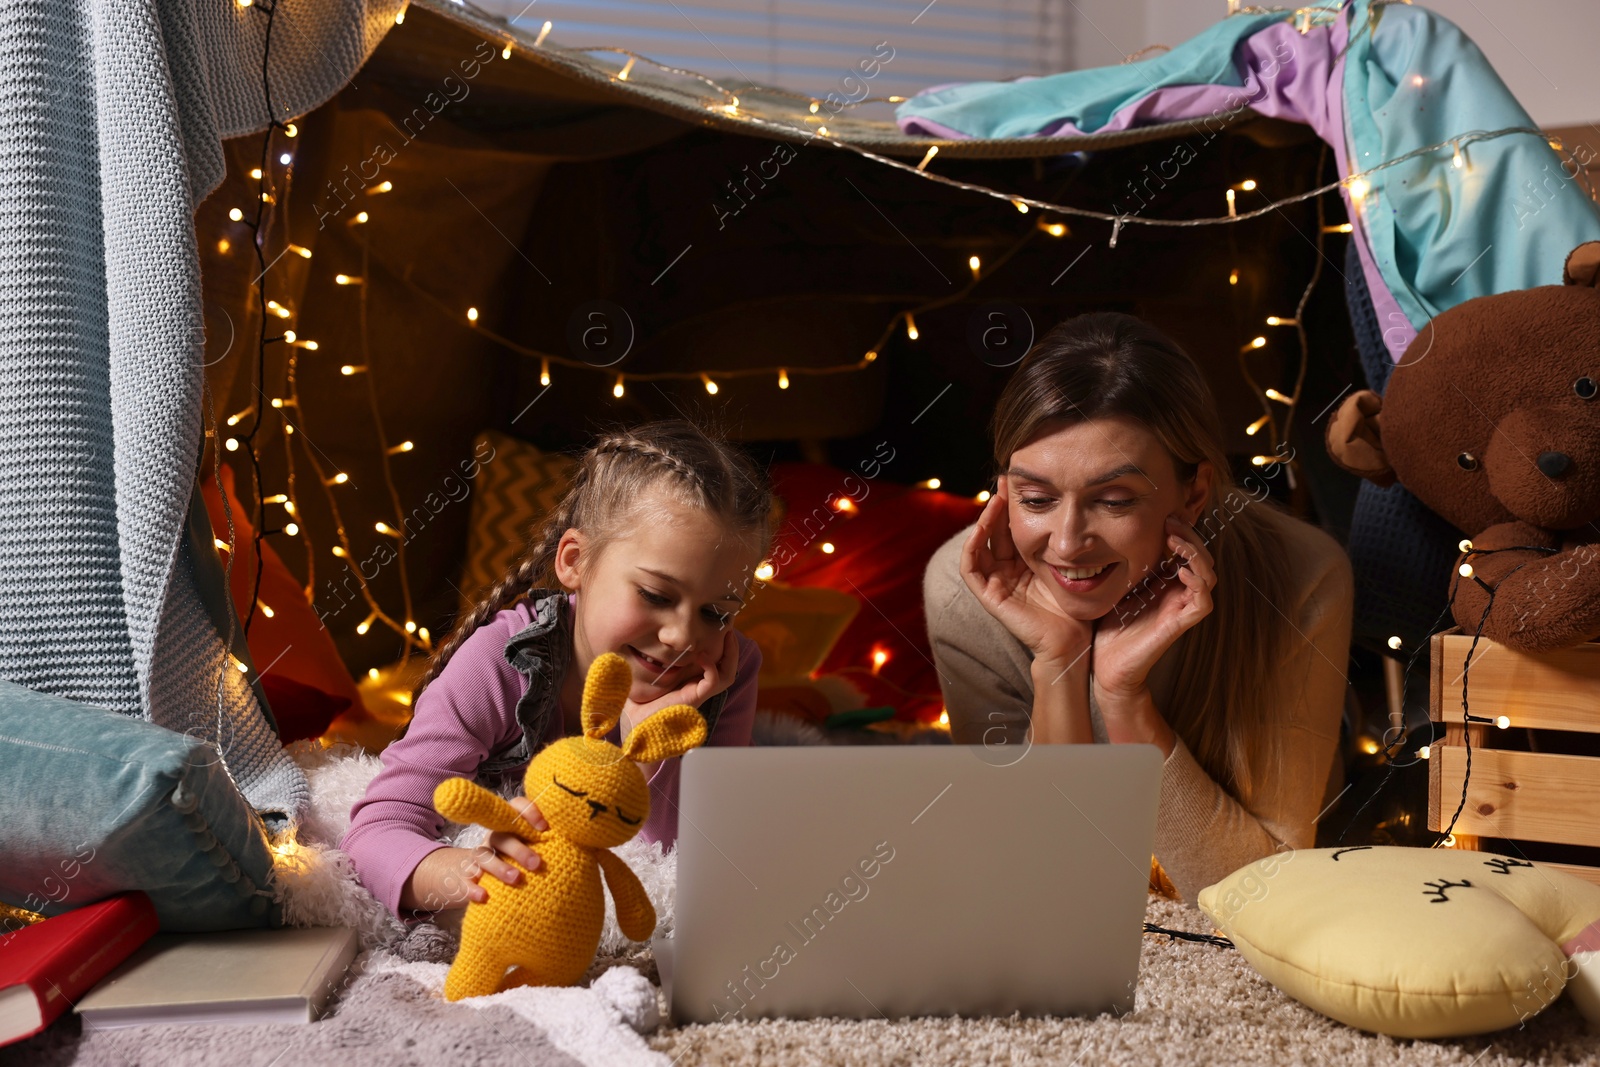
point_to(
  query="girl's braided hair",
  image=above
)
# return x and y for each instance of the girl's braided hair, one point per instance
(612, 480)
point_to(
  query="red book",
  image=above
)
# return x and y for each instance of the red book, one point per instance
(45, 967)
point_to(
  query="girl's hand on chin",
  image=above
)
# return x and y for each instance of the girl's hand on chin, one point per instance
(1009, 590)
(1140, 629)
(696, 691)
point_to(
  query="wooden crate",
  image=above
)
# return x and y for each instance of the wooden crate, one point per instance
(1523, 796)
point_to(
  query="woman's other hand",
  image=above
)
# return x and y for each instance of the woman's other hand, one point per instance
(1153, 615)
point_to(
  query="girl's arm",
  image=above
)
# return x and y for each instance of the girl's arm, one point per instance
(467, 712)
(734, 727)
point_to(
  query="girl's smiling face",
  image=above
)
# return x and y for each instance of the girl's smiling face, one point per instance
(1088, 508)
(662, 595)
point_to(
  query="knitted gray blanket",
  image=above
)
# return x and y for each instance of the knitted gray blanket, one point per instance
(113, 116)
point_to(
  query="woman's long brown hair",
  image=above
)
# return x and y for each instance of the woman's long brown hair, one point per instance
(1106, 364)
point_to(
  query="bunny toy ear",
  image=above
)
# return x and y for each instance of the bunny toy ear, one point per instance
(1583, 266)
(669, 732)
(1354, 440)
(605, 691)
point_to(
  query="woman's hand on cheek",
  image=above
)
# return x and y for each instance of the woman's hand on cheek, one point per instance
(1009, 590)
(1139, 629)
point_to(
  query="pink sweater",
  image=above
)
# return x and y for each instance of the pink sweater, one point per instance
(469, 712)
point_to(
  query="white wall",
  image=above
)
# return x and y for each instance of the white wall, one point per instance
(1542, 49)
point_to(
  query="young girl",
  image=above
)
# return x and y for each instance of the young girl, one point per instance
(649, 554)
(1121, 588)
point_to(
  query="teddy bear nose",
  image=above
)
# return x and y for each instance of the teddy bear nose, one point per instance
(1554, 464)
(596, 809)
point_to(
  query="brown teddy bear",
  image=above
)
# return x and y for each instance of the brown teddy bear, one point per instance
(1492, 419)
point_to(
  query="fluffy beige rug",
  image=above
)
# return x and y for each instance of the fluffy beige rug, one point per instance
(1197, 1004)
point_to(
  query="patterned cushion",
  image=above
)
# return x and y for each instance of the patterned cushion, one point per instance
(518, 487)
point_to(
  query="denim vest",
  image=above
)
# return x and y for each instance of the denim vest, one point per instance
(540, 652)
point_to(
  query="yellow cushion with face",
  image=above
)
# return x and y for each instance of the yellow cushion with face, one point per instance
(1415, 942)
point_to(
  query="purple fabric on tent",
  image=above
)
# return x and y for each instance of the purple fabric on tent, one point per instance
(1307, 87)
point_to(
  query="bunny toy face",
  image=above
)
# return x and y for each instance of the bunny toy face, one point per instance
(590, 791)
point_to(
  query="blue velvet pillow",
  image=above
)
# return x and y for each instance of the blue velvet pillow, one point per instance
(95, 803)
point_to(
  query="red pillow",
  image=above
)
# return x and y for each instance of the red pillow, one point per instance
(882, 542)
(292, 645)
(301, 710)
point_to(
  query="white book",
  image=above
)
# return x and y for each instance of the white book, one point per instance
(237, 976)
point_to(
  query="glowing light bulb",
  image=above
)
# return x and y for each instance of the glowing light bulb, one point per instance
(235, 214)
(927, 157)
(472, 314)
(1425, 751)
(944, 717)
(366, 623)
(382, 187)
(1255, 342)
(827, 547)
(505, 53)
(291, 130)
(276, 498)
(411, 627)
(816, 106)
(1248, 185)
(1022, 209)
(627, 68)
(372, 672)
(544, 31)
(231, 444)
(1273, 394)
(1233, 277)
(1232, 211)
(1255, 427)
(1359, 188)
(346, 279)
(1054, 229)
(1394, 642)
(1369, 746)
(290, 336)
(983, 496)
(765, 572)
(973, 262)
(223, 244)
(255, 172)
(222, 546)
(284, 159)
(1465, 544)
(783, 378)
(616, 390)
(360, 217)
(338, 479)
(544, 372)
(292, 529)
(711, 386)
(931, 483)
(1457, 160)
(386, 529)
(278, 309)
(351, 368)
(845, 505)
(1502, 721)
(871, 355)
(879, 658)
(1465, 570)
(403, 446)
(240, 664)
(422, 632)
(911, 327)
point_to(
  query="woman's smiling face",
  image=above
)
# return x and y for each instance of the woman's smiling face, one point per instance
(1088, 508)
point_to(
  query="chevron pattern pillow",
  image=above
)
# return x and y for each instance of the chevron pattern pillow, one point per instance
(516, 489)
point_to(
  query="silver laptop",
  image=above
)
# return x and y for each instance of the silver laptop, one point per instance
(876, 881)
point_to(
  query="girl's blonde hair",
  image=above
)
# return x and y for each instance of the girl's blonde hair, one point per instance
(611, 481)
(1104, 365)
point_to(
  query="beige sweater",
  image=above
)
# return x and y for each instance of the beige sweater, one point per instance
(1203, 833)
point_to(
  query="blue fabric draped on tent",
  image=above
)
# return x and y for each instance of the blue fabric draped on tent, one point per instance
(1376, 81)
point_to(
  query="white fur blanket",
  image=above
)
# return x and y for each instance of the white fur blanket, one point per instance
(597, 1023)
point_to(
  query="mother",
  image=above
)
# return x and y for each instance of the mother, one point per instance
(1120, 587)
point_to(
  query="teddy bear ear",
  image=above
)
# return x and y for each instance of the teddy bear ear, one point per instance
(669, 732)
(1583, 266)
(1354, 440)
(605, 692)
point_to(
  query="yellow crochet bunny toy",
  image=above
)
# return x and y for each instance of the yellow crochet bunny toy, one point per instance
(594, 797)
